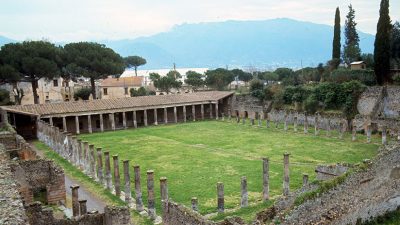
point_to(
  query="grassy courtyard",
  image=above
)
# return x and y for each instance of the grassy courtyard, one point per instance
(195, 156)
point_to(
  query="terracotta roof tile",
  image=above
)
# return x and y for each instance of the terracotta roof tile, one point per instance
(119, 103)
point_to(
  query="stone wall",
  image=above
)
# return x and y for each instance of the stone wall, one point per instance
(111, 216)
(331, 171)
(38, 175)
(11, 205)
(365, 194)
(370, 101)
(249, 104)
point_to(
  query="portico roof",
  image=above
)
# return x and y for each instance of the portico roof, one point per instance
(121, 104)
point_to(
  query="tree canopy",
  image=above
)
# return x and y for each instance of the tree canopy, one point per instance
(395, 44)
(241, 75)
(167, 82)
(33, 60)
(219, 78)
(352, 51)
(194, 79)
(134, 62)
(92, 60)
(382, 44)
(336, 36)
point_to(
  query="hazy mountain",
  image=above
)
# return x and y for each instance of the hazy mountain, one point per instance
(4, 40)
(260, 44)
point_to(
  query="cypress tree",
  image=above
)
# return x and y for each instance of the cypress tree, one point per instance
(336, 36)
(382, 44)
(352, 51)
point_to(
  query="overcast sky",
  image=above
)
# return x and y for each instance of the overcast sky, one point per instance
(78, 20)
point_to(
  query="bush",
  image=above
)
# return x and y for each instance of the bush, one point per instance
(366, 77)
(295, 94)
(330, 94)
(311, 104)
(257, 89)
(141, 92)
(83, 93)
(4, 97)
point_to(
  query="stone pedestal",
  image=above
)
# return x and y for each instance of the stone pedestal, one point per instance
(220, 193)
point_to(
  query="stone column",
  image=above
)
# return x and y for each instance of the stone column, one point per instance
(316, 125)
(305, 123)
(268, 121)
(117, 179)
(252, 121)
(124, 120)
(184, 113)
(138, 189)
(328, 127)
(92, 162)
(285, 122)
(216, 111)
(108, 170)
(77, 125)
(245, 196)
(220, 193)
(89, 119)
(286, 182)
(51, 121)
(79, 153)
(165, 115)
(127, 179)
(230, 115)
(150, 195)
(195, 204)
(85, 164)
(175, 115)
(74, 145)
(134, 119)
(353, 132)
(101, 123)
(112, 121)
(65, 124)
(202, 111)
(369, 133)
(164, 189)
(384, 135)
(259, 120)
(155, 117)
(145, 117)
(295, 124)
(265, 179)
(75, 202)
(194, 112)
(244, 120)
(341, 128)
(211, 111)
(82, 207)
(276, 123)
(100, 166)
(305, 180)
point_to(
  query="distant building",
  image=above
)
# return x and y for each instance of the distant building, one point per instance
(119, 87)
(359, 65)
(49, 91)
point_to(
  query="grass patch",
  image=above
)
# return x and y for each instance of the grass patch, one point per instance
(92, 186)
(247, 214)
(195, 156)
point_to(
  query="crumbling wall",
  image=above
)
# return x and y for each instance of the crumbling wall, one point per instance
(370, 101)
(11, 206)
(366, 194)
(391, 108)
(112, 216)
(176, 214)
(37, 175)
(327, 172)
(247, 103)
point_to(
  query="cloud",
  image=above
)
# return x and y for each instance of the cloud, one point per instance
(73, 20)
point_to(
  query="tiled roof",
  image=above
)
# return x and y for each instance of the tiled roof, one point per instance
(122, 82)
(116, 104)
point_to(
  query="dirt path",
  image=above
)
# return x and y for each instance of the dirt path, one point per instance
(93, 203)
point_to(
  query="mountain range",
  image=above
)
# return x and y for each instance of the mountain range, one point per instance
(264, 44)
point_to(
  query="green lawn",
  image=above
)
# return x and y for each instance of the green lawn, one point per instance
(195, 156)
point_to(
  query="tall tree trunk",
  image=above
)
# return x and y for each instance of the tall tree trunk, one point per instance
(18, 93)
(135, 70)
(93, 88)
(35, 85)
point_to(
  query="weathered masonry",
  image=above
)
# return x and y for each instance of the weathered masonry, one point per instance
(112, 114)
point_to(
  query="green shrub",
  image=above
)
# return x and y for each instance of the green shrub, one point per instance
(83, 93)
(257, 89)
(366, 77)
(311, 104)
(4, 97)
(141, 92)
